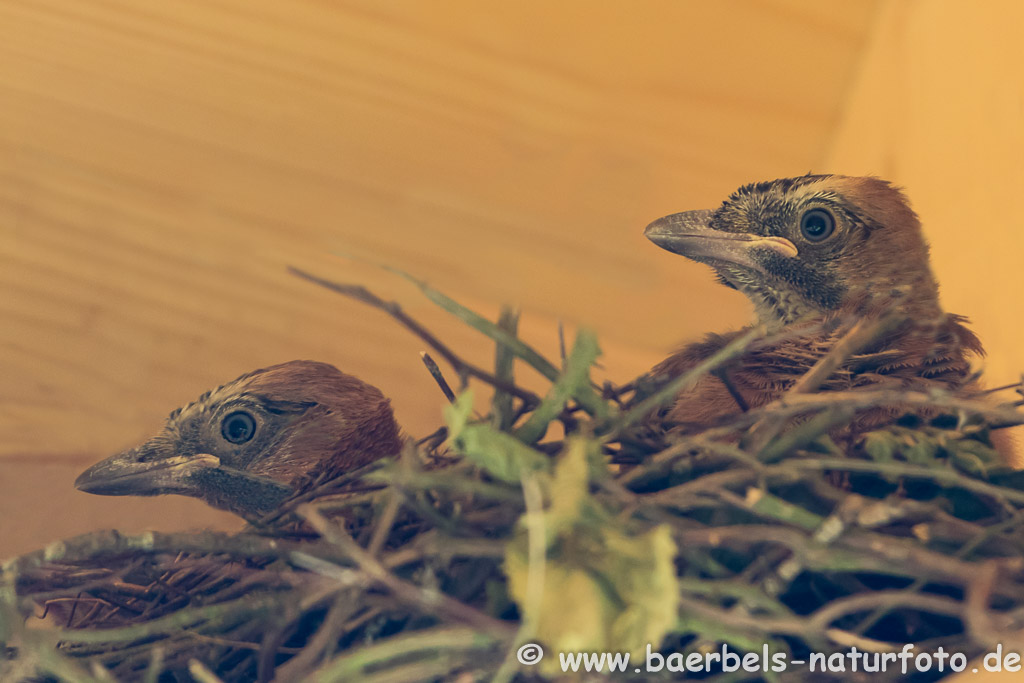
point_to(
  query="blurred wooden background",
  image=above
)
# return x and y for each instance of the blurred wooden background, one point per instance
(162, 163)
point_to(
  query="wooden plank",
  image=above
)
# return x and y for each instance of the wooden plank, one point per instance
(948, 125)
(162, 163)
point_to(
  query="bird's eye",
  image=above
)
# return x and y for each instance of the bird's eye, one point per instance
(817, 225)
(238, 427)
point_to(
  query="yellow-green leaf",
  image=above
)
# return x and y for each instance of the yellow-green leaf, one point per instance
(568, 487)
(573, 382)
(644, 574)
(499, 453)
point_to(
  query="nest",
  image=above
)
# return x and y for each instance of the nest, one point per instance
(763, 536)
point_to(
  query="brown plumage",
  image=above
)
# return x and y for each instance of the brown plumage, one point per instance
(814, 254)
(252, 443)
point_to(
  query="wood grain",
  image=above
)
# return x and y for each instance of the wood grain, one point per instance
(948, 125)
(162, 163)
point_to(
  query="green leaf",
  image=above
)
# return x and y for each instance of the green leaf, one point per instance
(481, 324)
(973, 456)
(922, 450)
(642, 569)
(456, 415)
(569, 486)
(880, 445)
(604, 587)
(498, 453)
(504, 362)
(573, 382)
(621, 598)
(573, 612)
(774, 507)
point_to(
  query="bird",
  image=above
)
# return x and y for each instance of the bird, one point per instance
(813, 253)
(252, 443)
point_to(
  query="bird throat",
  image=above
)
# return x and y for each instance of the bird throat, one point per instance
(774, 308)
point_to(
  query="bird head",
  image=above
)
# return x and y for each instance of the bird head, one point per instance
(248, 445)
(810, 246)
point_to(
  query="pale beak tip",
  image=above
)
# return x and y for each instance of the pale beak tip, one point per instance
(658, 233)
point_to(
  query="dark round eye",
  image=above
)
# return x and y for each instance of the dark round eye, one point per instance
(817, 224)
(238, 427)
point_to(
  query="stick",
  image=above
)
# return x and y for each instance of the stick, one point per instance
(360, 293)
(435, 372)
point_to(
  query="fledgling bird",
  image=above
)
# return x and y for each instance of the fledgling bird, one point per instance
(252, 443)
(811, 253)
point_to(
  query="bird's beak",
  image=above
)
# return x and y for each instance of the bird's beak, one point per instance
(126, 474)
(688, 234)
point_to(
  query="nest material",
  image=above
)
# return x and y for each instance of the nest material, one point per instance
(761, 532)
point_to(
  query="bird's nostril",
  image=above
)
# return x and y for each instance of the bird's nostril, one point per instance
(148, 453)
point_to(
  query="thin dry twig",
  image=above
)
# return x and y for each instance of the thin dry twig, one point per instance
(438, 376)
(430, 600)
(461, 366)
(794, 540)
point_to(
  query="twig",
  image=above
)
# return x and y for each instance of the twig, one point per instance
(976, 614)
(386, 521)
(102, 543)
(668, 392)
(331, 485)
(722, 375)
(201, 673)
(942, 475)
(399, 648)
(435, 372)
(860, 334)
(504, 370)
(326, 635)
(864, 399)
(817, 622)
(431, 601)
(934, 604)
(561, 343)
(995, 390)
(360, 293)
(250, 605)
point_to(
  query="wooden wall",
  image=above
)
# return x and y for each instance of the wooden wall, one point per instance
(938, 107)
(162, 163)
